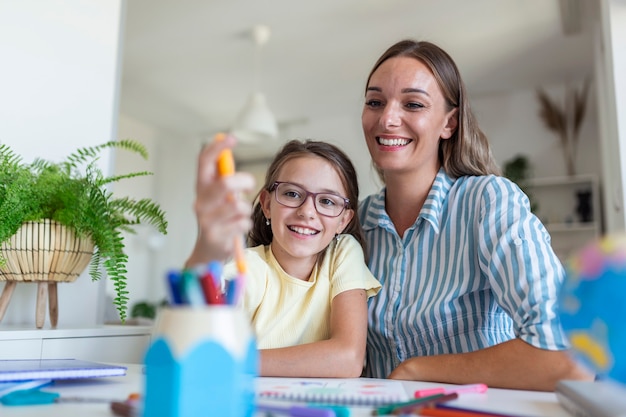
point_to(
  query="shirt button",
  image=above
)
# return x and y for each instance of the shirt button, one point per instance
(517, 241)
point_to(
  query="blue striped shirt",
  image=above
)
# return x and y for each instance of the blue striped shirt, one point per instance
(474, 270)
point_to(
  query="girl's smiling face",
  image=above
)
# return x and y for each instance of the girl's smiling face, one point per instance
(301, 233)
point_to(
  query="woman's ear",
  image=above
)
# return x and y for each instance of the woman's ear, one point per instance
(451, 123)
(346, 216)
(265, 200)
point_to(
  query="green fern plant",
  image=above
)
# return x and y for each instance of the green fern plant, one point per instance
(74, 192)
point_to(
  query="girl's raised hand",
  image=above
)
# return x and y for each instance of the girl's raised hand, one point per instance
(220, 217)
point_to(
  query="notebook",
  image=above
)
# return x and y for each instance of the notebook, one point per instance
(351, 391)
(592, 399)
(29, 369)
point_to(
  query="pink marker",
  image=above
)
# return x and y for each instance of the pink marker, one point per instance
(461, 389)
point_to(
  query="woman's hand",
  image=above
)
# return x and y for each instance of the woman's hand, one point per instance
(220, 214)
(513, 364)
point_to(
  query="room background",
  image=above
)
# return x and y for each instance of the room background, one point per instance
(510, 119)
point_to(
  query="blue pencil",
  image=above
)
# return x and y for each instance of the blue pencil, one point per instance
(297, 410)
(173, 284)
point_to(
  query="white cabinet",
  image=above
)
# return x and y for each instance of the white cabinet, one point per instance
(572, 218)
(119, 343)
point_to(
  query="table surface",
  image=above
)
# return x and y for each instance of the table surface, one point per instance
(509, 402)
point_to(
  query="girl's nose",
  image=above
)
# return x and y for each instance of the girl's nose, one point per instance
(307, 209)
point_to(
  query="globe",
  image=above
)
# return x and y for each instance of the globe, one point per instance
(592, 306)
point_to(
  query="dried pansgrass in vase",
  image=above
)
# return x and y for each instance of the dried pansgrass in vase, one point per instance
(565, 121)
(45, 251)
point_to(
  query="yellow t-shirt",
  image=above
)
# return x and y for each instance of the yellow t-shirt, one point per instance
(287, 311)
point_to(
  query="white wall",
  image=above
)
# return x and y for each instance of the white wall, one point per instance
(139, 246)
(611, 69)
(58, 91)
(172, 159)
(512, 124)
(59, 78)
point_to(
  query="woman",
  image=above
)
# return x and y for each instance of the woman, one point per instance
(469, 276)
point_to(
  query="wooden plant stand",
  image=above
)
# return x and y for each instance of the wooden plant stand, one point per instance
(44, 252)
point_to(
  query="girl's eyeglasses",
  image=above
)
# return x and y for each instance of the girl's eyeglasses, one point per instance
(292, 195)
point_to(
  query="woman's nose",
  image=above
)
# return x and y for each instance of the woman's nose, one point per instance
(390, 117)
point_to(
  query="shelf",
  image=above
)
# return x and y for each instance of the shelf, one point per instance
(571, 227)
(108, 343)
(562, 181)
(30, 332)
(557, 203)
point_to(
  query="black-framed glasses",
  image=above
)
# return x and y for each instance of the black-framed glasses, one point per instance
(294, 196)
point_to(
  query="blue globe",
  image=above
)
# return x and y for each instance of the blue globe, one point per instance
(593, 306)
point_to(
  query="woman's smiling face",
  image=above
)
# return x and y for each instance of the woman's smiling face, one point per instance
(405, 116)
(301, 233)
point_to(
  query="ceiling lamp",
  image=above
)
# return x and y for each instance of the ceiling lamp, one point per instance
(256, 122)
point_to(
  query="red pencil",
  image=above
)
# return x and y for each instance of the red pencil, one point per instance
(449, 412)
(212, 293)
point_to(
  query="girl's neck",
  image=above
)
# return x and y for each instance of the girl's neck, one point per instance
(406, 195)
(300, 268)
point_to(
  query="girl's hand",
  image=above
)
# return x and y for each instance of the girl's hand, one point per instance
(220, 214)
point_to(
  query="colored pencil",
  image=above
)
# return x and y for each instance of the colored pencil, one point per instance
(441, 410)
(461, 389)
(409, 409)
(226, 167)
(388, 409)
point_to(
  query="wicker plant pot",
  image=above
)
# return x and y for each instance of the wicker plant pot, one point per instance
(45, 252)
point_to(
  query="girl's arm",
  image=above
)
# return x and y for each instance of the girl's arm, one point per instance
(340, 356)
(514, 364)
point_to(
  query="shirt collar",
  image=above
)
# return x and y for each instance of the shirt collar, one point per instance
(432, 210)
(376, 215)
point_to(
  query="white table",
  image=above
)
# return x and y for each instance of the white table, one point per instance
(513, 402)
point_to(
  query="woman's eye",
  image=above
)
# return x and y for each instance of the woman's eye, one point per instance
(373, 103)
(414, 105)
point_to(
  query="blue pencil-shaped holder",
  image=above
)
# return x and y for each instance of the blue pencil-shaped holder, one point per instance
(202, 361)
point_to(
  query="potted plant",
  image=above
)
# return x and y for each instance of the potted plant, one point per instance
(518, 170)
(74, 194)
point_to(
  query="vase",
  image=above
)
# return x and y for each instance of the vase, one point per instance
(584, 208)
(201, 358)
(569, 154)
(45, 252)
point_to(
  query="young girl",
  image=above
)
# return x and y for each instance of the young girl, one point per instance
(307, 284)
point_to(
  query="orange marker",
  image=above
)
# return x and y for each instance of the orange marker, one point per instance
(225, 161)
(226, 167)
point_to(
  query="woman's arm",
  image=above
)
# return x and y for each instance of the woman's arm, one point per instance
(514, 364)
(220, 217)
(340, 356)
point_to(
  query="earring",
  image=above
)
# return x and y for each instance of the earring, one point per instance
(267, 221)
(337, 236)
